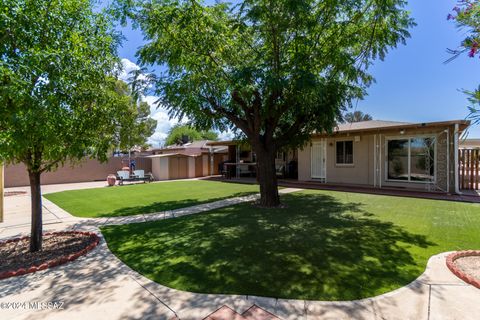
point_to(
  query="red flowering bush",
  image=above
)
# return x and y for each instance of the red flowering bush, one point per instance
(467, 16)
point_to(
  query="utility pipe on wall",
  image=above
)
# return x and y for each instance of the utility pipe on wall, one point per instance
(455, 150)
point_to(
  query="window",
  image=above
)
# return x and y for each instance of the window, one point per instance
(344, 152)
(411, 159)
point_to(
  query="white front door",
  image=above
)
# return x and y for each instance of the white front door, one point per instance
(318, 163)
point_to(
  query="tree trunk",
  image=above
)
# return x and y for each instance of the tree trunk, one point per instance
(267, 177)
(36, 197)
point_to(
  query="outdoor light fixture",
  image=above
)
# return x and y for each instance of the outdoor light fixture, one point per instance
(402, 131)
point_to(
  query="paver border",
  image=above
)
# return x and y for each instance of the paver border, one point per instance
(54, 262)
(457, 271)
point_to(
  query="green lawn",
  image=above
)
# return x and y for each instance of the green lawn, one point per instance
(145, 198)
(323, 246)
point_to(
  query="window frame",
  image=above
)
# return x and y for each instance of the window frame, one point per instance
(409, 138)
(344, 164)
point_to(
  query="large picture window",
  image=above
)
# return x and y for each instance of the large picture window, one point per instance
(344, 152)
(411, 159)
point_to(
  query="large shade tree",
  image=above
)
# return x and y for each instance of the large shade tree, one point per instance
(276, 70)
(58, 99)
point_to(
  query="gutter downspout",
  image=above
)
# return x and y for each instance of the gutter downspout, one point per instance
(375, 161)
(448, 160)
(455, 150)
(380, 160)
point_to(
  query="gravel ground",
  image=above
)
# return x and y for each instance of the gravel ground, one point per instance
(15, 255)
(469, 265)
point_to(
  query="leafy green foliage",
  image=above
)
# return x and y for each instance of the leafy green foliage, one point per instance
(59, 98)
(134, 125)
(57, 91)
(274, 70)
(179, 133)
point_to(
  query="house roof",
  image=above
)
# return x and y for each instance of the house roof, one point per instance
(195, 144)
(164, 155)
(382, 125)
(470, 143)
(370, 126)
(194, 147)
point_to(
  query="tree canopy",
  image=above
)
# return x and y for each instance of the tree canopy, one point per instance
(356, 116)
(183, 133)
(134, 124)
(58, 90)
(275, 70)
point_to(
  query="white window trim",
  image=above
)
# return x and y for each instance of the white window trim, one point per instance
(409, 137)
(353, 154)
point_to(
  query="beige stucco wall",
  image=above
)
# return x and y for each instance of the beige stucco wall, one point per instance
(160, 168)
(362, 170)
(87, 170)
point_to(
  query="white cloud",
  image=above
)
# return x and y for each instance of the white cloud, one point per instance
(128, 66)
(160, 113)
(164, 122)
(226, 135)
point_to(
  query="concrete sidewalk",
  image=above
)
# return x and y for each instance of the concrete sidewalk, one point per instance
(100, 286)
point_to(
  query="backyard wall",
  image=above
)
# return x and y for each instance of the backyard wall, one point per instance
(88, 170)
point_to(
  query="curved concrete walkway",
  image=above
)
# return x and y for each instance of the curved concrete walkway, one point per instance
(100, 286)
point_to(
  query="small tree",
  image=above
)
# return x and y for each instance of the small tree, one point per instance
(467, 17)
(356, 116)
(179, 133)
(58, 100)
(135, 125)
(276, 70)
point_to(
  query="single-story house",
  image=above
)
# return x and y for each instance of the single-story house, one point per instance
(386, 154)
(189, 160)
(376, 153)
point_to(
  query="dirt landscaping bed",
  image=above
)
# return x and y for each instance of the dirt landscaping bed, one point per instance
(58, 248)
(466, 266)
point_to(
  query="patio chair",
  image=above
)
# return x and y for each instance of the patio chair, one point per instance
(123, 175)
(280, 170)
(141, 176)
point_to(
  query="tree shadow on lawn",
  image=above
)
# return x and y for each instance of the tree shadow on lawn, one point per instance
(161, 206)
(316, 249)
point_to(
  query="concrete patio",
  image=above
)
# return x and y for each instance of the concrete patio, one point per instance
(99, 286)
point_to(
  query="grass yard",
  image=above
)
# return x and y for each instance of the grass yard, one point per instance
(145, 198)
(324, 246)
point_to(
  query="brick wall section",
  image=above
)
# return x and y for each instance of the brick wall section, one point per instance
(88, 170)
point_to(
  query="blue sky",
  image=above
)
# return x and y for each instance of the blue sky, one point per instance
(412, 84)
